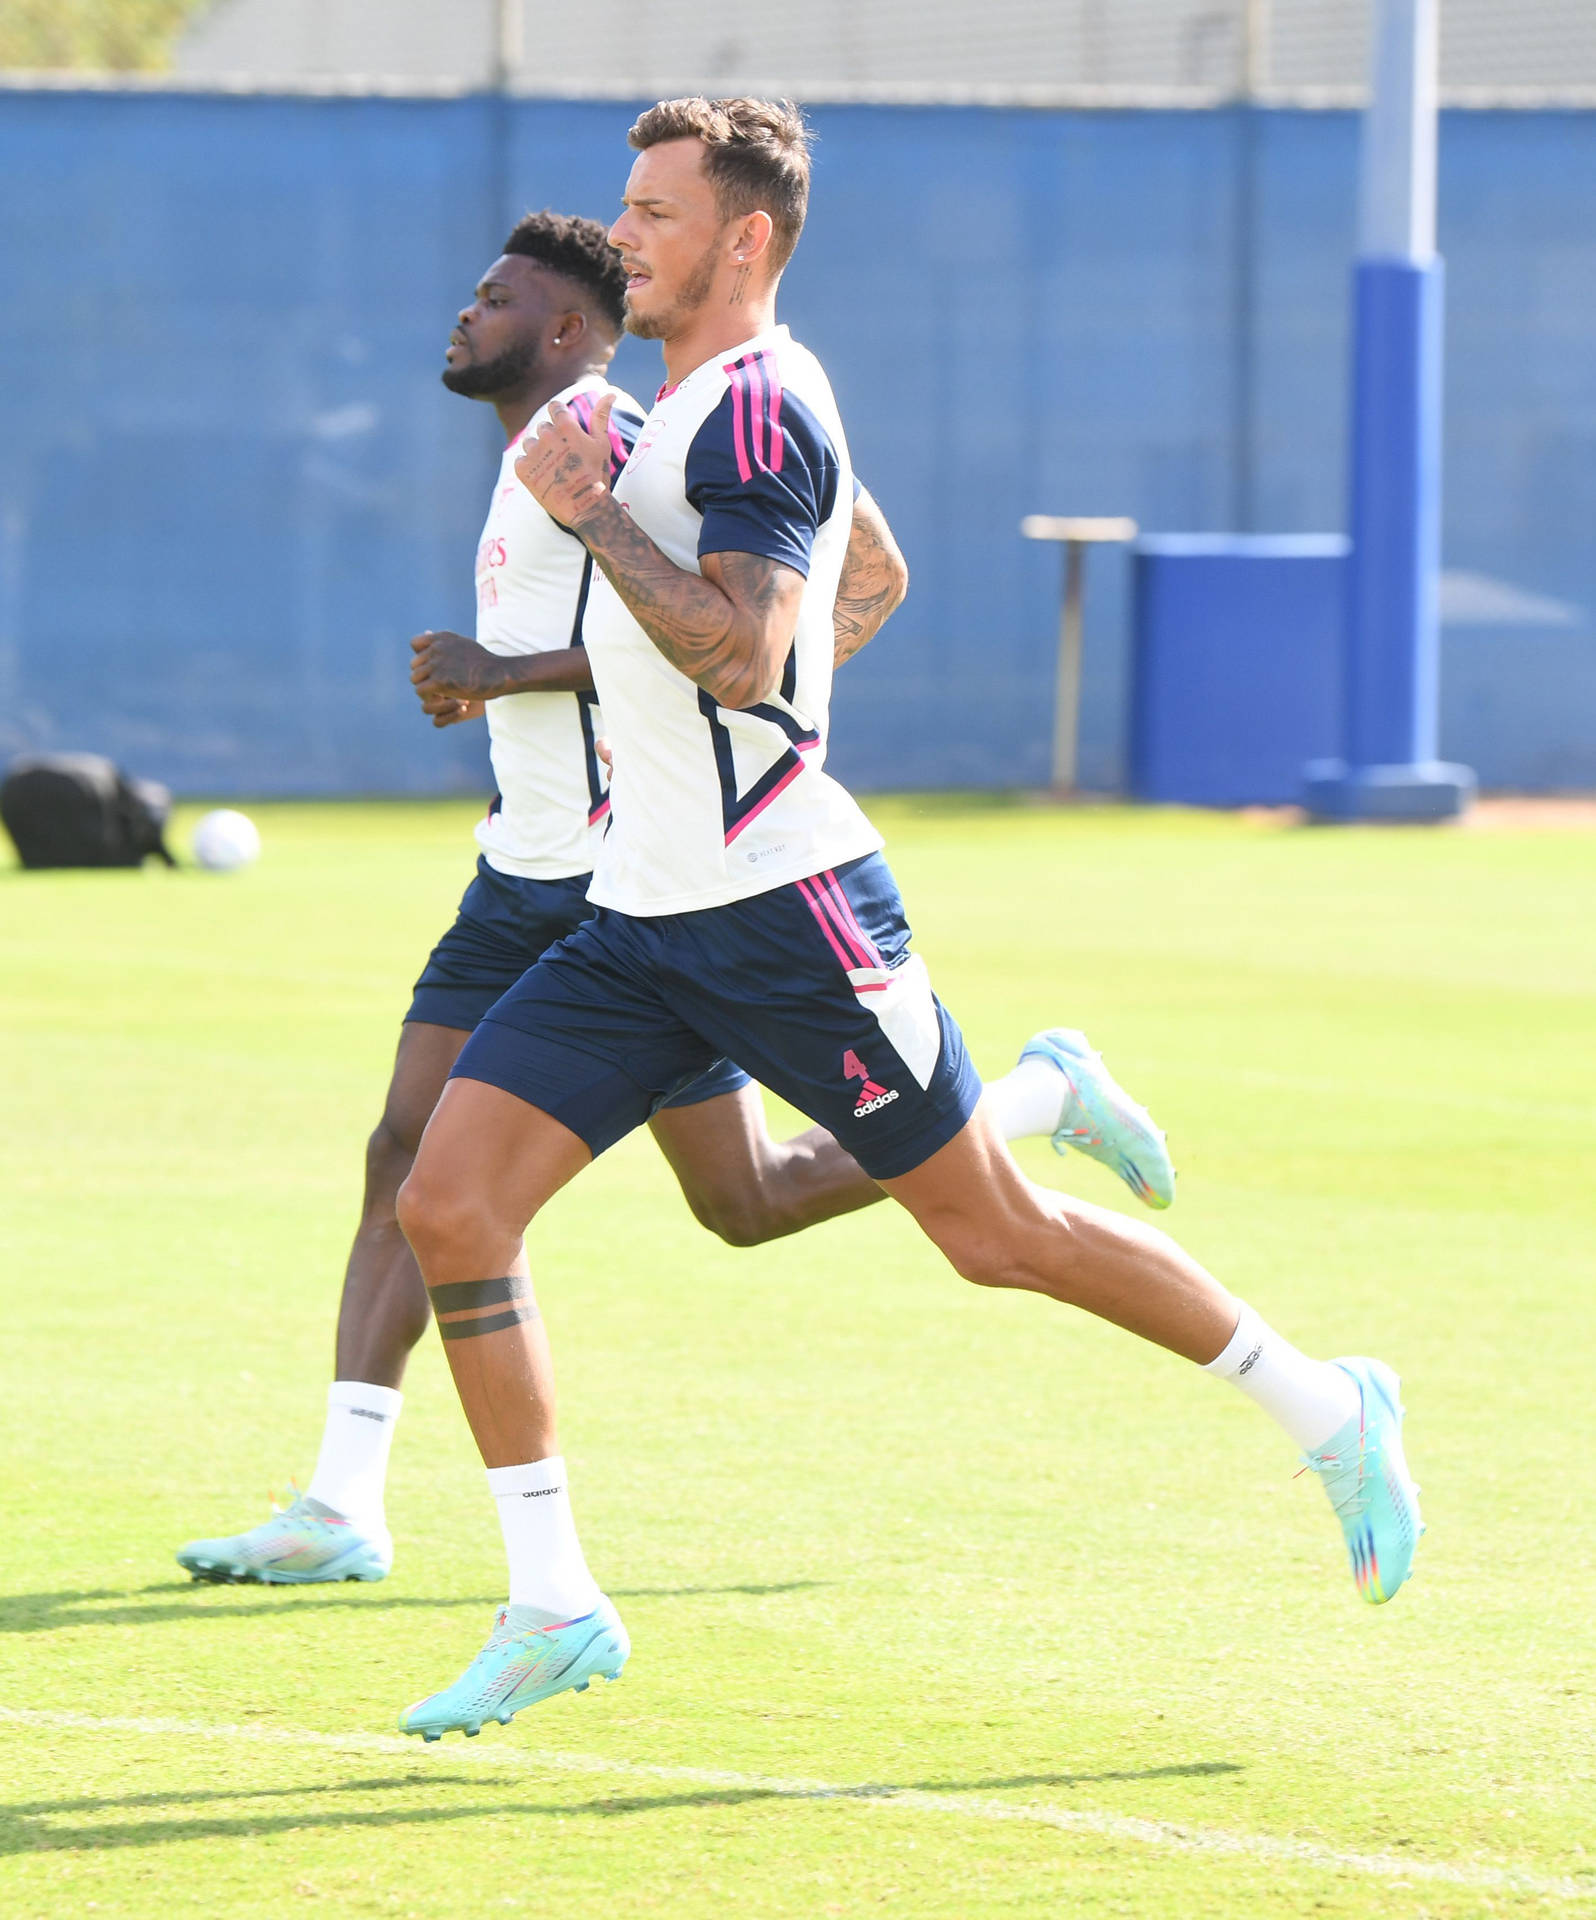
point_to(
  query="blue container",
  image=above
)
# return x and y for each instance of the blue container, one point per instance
(1236, 665)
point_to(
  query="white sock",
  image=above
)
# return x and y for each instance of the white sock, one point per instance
(352, 1467)
(547, 1571)
(1311, 1399)
(1028, 1099)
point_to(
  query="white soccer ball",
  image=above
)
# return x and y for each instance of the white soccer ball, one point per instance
(225, 839)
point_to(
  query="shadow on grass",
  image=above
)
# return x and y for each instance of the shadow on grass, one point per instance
(688, 1593)
(29, 1828)
(43, 1612)
(1191, 1770)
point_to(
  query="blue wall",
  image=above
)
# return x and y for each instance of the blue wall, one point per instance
(231, 486)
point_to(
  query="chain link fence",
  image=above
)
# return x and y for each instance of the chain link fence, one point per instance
(1302, 51)
(1043, 52)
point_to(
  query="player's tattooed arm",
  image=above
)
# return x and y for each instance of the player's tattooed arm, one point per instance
(875, 578)
(449, 667)
(729, 628)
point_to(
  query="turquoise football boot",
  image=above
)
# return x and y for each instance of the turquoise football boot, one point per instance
(1100, 1119)
(521, 1664)
(1365, 1474)
(304, 1543)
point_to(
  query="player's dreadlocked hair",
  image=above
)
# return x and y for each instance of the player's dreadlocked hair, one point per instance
(756, 154)
(578, 250)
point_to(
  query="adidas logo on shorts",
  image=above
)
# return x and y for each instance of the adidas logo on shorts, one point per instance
(872, 1098)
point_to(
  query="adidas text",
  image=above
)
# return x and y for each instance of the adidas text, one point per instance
(866, 1107)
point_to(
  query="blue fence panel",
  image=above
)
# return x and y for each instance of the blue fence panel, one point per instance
(231, 486)
(1518, 683)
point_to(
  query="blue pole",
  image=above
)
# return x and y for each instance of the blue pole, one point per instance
(1393, 633)
(1388, 768)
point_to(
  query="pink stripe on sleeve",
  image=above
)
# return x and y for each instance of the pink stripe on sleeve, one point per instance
(777, 437)
(744, 471)
(756, 408)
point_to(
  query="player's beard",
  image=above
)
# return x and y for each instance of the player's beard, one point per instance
(482, 379)
(660, 326)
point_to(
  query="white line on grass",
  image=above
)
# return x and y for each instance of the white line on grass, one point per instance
(1111, 1826)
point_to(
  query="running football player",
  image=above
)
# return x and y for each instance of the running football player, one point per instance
(539, 333)
(745, 912)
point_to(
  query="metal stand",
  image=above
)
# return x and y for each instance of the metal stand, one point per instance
(1075, 535)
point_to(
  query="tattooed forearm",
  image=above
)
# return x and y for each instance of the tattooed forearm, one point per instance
(874, 580)
(728, 629)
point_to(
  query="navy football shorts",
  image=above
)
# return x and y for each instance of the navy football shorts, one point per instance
(504, 925)
(810, 988)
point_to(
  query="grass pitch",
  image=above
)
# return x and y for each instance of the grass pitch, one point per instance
(943, 1603)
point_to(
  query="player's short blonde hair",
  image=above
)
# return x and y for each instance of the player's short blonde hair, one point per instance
(756, 156)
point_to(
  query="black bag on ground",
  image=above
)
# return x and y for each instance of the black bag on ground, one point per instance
(78, 810)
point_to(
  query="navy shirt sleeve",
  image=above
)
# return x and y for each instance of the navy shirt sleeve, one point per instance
(762, 470)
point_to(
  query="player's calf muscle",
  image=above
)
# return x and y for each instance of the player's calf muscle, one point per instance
(1090, 1258)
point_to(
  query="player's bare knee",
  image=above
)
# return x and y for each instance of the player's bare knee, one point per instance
(987, 1255)
(747, 1223)
(741, 1220)
(974, 1256)
(432, 1215)
(389, 1158)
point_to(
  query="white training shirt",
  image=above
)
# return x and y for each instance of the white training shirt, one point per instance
(532, 588)
(746, 455)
